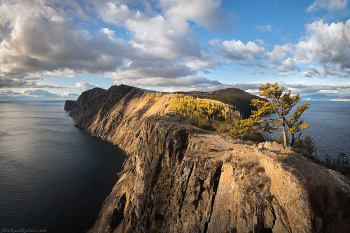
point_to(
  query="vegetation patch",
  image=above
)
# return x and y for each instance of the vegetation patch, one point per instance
(260, 169)
(180, 117)
(210, 115)
(269, 198)
(281, 158)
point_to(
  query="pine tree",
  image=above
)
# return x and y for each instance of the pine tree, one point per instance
(280, 104)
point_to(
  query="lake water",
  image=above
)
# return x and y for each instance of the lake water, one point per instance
(56, 178)
(329, 127)
(52, 176)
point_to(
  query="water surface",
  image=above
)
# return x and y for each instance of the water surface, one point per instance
(51, 175)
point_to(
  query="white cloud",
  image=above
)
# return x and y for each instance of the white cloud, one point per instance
(281, 51)
(215, 42)
(205, 13)
(330, 5)
(38, 37)
(199, 64)
(37, 42)
(69, 73)
(239, 46)
(288, 64)
(261, 42)
(267, 28)
(115, 13)
(326, 43)
(84, 86)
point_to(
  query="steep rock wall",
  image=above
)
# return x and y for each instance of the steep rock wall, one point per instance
(174, 181)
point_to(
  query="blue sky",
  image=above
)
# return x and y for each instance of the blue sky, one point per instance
(55, 49)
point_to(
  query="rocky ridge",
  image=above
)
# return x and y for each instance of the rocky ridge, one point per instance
(178, 178)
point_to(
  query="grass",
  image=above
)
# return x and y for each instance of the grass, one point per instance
(260, 169)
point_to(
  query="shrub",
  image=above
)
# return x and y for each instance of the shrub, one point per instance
(180, 117)
(308, 145)
(260, 169)
(202, 123)
(278, 139)
(341, 163)
(281, 158)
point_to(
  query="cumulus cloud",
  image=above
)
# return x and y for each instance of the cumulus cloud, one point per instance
(84, 86)
(239, 46)
(326, 43)
(330, 5)
(288, 64)
(39, 37)
(205, 13)
(151, 69)
(236, 50)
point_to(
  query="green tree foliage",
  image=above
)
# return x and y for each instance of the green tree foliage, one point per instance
(195, 107)
(233, 96)
(211, 115)
(280, 104)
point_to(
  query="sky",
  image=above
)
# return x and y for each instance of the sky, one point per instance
(56, 49)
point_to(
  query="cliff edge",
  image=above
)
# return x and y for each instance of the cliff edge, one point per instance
(178, 178)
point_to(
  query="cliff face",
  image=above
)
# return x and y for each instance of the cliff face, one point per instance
(181, 179)
(68, 105)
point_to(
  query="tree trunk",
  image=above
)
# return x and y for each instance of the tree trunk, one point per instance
(284, 134)
(292, 142)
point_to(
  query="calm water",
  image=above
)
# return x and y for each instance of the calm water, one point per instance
(51, 175)
(329, 127)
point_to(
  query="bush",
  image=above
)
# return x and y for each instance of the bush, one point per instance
(278, 139)
(202, 123)
(308, 145)
(341, 164)
(281, 158)
(260, 169)
(180, 117)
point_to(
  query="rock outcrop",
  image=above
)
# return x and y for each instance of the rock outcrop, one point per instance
(178, 178)
(68, 105)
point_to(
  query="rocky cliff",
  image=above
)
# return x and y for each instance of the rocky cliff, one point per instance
(68, 105)
(178, 178)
